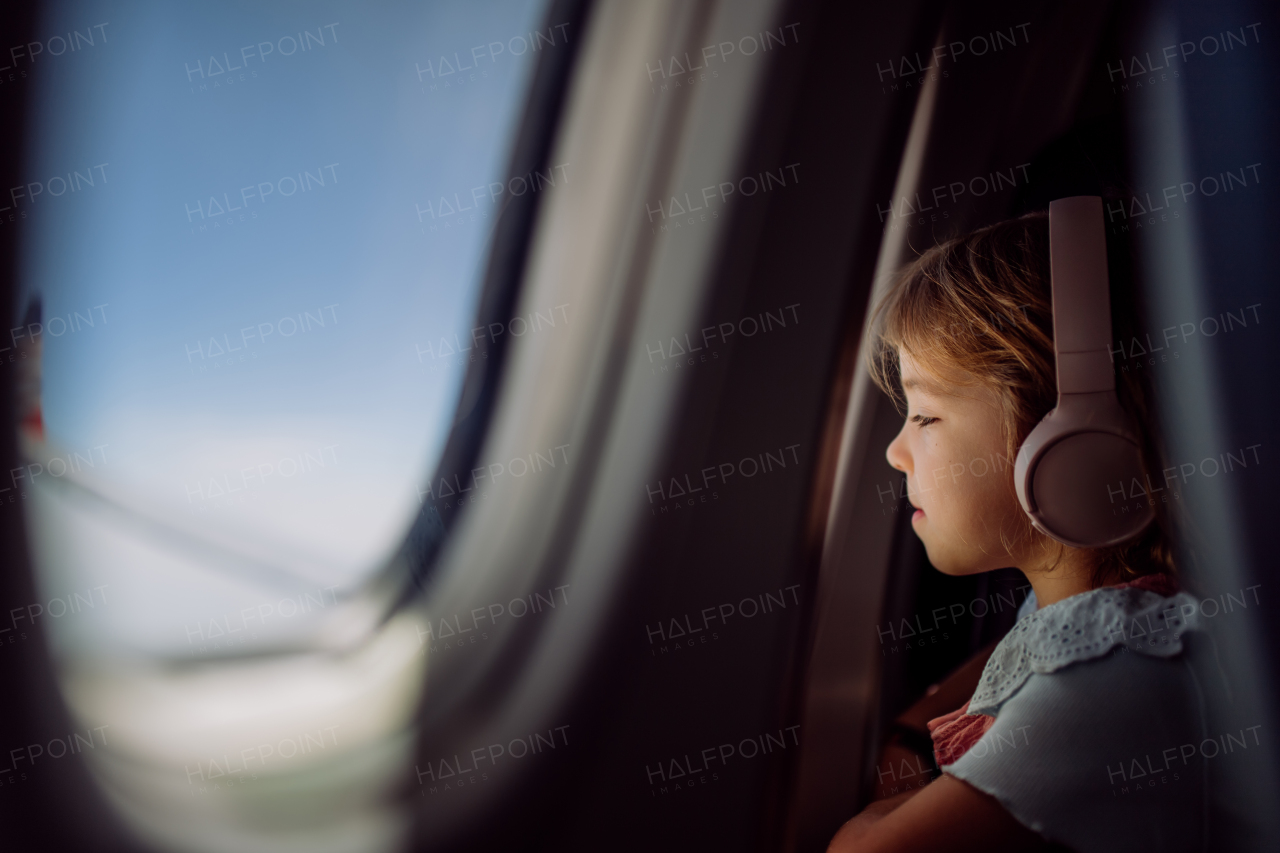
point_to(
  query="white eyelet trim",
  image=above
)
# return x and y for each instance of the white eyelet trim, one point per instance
(1081, 628)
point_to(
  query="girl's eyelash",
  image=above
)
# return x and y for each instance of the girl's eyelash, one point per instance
(924, 420)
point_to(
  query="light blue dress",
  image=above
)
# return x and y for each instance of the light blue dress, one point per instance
(1101, 740)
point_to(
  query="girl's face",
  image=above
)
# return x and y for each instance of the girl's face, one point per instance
(952, 449)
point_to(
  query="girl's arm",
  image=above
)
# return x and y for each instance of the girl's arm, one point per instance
(946, 814)
(859, 825)
(898, 765)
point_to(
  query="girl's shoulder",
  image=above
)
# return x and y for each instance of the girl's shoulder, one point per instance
(1148, 617)
(1089, 723)
(1106, 754)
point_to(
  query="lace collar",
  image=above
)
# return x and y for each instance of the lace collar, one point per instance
(1146, 616)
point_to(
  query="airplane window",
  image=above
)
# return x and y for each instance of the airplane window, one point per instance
(561, 424)
(252, 251)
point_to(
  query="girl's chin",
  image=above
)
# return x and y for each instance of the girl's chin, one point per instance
(949, 564)
(958, 572)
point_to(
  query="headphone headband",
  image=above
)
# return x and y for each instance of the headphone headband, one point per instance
(1081, 296)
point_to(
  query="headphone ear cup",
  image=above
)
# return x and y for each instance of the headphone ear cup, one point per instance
(1088, 489)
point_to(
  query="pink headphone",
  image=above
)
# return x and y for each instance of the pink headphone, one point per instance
(1084, 453)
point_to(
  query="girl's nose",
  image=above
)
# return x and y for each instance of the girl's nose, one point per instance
(897, 453)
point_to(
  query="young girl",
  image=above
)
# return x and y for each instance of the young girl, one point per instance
(1077, 731)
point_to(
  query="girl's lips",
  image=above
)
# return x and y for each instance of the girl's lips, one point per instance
(917, 515)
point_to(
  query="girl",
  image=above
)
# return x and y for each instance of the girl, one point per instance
(1075, 734)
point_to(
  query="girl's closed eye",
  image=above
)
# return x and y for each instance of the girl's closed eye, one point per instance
(924, 420)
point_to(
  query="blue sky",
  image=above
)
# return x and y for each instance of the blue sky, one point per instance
(325, 278)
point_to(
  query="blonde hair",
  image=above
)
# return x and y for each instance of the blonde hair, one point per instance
(978, 309)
